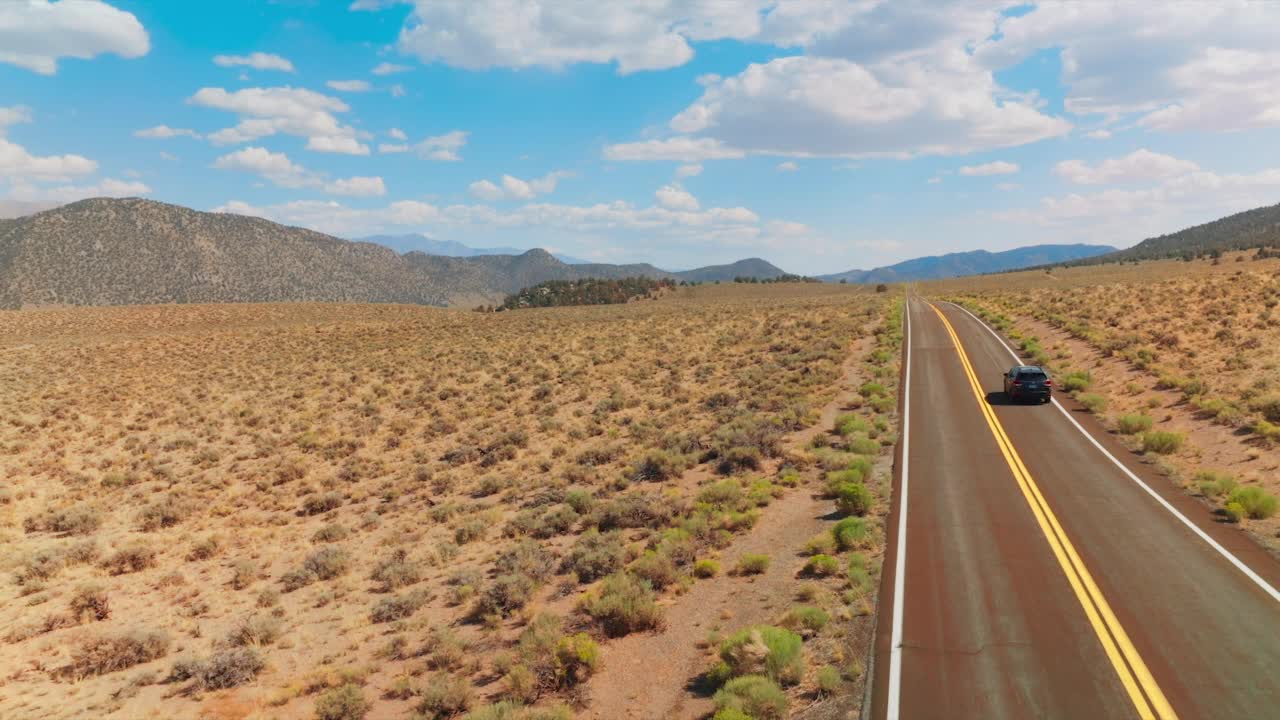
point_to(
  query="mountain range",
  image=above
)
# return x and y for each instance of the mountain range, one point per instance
(976, 262)
(451, 248)
(1256, 228)
(107, 251)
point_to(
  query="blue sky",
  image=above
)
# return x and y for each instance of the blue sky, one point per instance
(822, 136)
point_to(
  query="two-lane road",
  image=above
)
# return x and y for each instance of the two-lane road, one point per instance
(1035, 571)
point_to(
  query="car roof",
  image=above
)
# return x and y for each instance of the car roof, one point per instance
(1036, 368)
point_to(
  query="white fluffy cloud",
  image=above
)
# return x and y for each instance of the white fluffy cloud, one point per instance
(485, 190)
(397, 134)
(691, 170)
(257, 61)
(1139, 165)
(999, 167)
(357, 187)
(442, 147)
(276, 167)
(386, 68)
(108, 187)
(20, 166)
(736, 225)
(1183, 66)
(164, 131)
(513, 188)
(281, 171)
(293, 111)
(680, 149)
(674, 197)
(349, 85)
(809, 106)
(1171, 200)
(650, 35)
(34, 34)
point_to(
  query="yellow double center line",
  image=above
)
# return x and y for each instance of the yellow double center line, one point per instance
(1146, 695)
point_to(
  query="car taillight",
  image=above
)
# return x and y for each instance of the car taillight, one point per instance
(1049, 383)
(1017, 383)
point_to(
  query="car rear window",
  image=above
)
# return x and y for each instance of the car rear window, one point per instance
(1032, 376)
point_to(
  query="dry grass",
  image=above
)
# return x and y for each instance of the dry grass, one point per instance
(1182, 359)
(311, 499)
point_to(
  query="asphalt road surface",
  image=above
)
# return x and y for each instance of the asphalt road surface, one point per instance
(1038, 570)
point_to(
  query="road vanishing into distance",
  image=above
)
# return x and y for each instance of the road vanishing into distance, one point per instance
(1036, 569)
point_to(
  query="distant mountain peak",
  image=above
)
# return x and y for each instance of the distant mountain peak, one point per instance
(972, 262)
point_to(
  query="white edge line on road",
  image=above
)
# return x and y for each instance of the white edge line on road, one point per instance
(900, 560)
(1266, 587)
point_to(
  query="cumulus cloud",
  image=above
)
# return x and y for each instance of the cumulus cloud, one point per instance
(349, 85)
(14, 115)
(514, 188)
(397, 134)
(1139, 165)
(486, 190)
(276, 167)
(292, 111)
(674, 197)
(19, 165)
(442, 147)
(1182, 66)
(1123, 216)
(809, 106)
(280, 170)
(357, 187)
(480, 34)
(680, 149)
(736, 225)
(164, 131)
(257, 61)
(34, 34)
(23, 192)
(387, 68)
(999, 167)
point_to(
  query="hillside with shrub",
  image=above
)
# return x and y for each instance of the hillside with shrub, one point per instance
(590, 291)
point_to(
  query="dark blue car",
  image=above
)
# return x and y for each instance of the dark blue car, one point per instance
(1027, 382)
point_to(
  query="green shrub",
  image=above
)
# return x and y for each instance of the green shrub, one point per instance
(822, 566)
(1076, 381)
(752, 564)
(1092, 402)
(849, 424)
(623, 605)
(346, 702)
(723, 495)
(829, 680)
(853, 498)
(225, 669)
(444, 695)
(1161, 441)
(398, 607)
(850, 533)
(655, 568)
(595, 555)
(752, 696)
(806, 618)
(506, 594)
(764, 650)
(1234, 511)
(1133, 424)
(1215, 484)
(872, 389)
(706, 568)
(859, 577)
(109, 653)
(864, 446)
(658, 465)
(822, 544)
(1254, 501)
